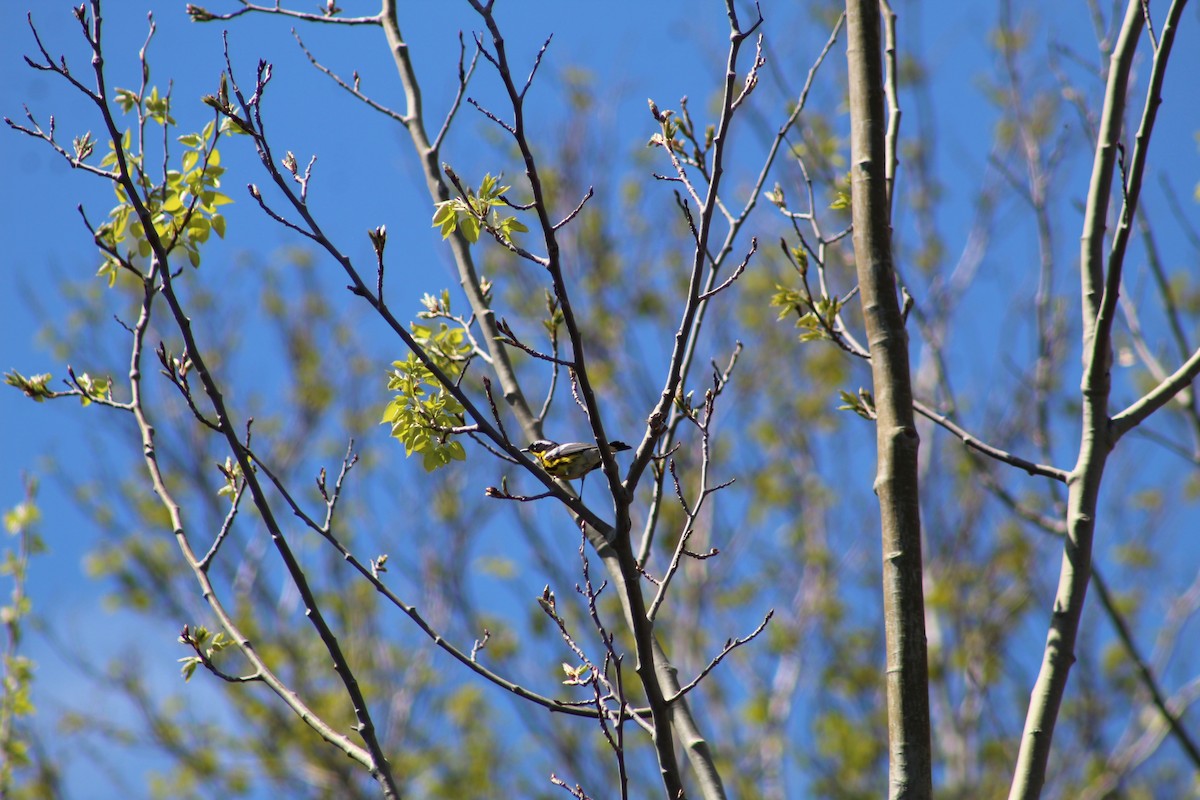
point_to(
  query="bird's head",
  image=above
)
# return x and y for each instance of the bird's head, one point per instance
(539, 446)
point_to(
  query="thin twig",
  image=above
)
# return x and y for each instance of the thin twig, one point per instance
(974, 443)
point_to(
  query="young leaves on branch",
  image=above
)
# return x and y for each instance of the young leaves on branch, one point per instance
(423, 414)
(85, 387)
(862, 404)
(476, 211)
(184, 206)
(34, 387)
(816, 317)
(201, 641)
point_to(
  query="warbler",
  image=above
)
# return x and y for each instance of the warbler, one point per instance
(569, 460)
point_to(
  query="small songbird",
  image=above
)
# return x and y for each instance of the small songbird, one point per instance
(569, 460)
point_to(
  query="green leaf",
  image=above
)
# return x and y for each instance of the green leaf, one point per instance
(108, 271)
(126, 100)
(198, 229)
(173, 204)
(470, 229)
(444, 211)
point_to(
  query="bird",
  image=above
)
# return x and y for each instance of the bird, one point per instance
(569, 460)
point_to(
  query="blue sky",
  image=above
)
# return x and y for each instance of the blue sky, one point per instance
(659, 50)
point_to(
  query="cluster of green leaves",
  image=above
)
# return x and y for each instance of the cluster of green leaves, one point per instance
(37, 388)
(94, 389)
(478, 211)
(201, 638)
(184, 205)
(231, 471)
(815, 317)
(862, 403)
(423, 412)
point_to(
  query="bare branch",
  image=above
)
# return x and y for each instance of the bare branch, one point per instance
(352, 89)
(730, 646)
(989, 450)
(464, 77)
(200, 14)
(575, 211)
(1158, 397)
